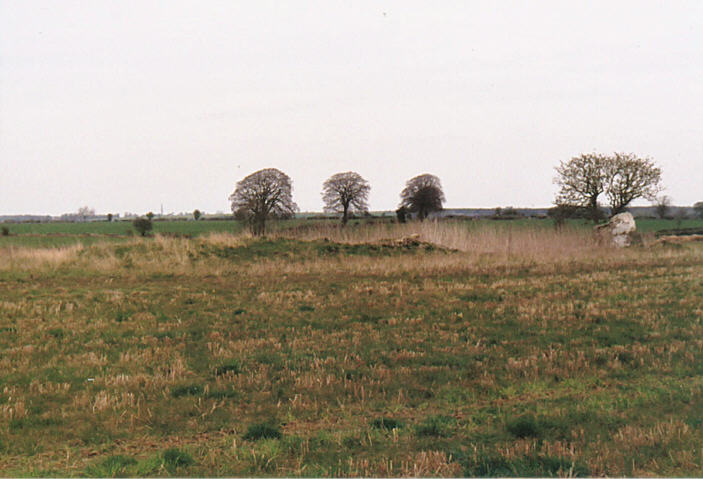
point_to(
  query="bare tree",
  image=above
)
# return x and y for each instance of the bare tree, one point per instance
(622, 177)
(662, 206)
(263, 194)
(582, 180)
(629, 178)
(85, 212)
(346, 193)
(422, 195)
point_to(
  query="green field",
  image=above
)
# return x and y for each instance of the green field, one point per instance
(378, 350)
(63, 234)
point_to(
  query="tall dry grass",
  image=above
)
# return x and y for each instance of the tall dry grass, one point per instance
(18, 258)
(484, 244)
(487, 239)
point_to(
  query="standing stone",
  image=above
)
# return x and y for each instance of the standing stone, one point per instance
(619, 229)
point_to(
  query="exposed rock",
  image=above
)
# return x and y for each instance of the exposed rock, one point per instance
(619, 230)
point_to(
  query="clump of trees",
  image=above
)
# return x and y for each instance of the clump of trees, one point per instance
(346, 193)
(262, 195)
(621, 177)
(422, 195)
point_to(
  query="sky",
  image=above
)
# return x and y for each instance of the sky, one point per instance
(128, 105)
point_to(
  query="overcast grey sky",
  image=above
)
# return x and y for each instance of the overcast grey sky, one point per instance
(127, 105)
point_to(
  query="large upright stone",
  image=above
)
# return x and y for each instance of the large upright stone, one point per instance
(619, 229)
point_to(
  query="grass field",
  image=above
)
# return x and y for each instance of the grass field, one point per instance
(482, 350)
(64, 234)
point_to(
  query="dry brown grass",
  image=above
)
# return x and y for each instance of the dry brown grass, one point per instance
(14, 258)
(492, 239)
(488, 245)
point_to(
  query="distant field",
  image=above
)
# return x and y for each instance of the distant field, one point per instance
(321, 352)
(62, 234)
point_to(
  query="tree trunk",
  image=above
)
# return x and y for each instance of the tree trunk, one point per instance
(258, 225)
(345, 215)
(594, 209)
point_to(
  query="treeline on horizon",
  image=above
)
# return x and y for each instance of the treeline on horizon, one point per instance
(620, 178)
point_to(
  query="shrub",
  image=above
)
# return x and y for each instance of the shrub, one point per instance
(143, 225)
(263, 430)
(5, 231)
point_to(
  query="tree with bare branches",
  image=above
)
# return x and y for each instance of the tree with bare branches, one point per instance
(662, 206)
(630, 178)
(261, 195)
(422, 195)
(622, 177)
(582, 180)
(346, 193)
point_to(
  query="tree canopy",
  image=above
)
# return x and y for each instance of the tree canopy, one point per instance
(622, 177)
(629, 178)
(582, 180)
(346, 193)
(264, 194)
(422, 195)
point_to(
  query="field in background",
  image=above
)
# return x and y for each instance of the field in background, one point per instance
(63, 234)
(434, 349)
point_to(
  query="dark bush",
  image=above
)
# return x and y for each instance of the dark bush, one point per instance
(264, 430)
(402, 214)
(143, 225)
(5, 231)
(524, 426)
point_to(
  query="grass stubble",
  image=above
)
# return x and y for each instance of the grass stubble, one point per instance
(346, 352)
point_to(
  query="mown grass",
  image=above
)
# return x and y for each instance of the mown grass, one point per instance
(448, 354)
